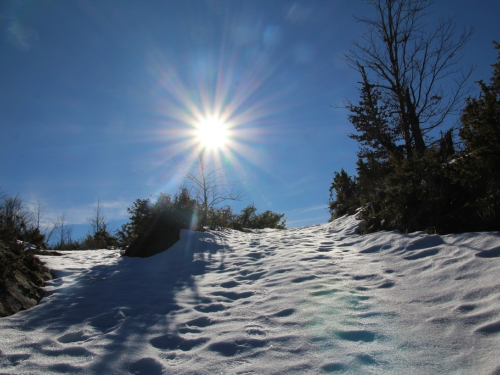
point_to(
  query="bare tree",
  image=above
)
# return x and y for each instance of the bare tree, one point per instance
(38, 213)
(15, 219)
(98, 221)
(62, 232)
(413, 67)
(211, 185)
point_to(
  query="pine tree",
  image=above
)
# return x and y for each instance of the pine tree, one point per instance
(343, 196)
(481, 135)
(405, 97)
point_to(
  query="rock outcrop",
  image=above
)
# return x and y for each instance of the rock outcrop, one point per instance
(22, 276)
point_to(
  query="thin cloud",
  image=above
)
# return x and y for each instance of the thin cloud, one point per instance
(306, 222)
(80, 214)
(304, 210)
(22, 37)
(300, 216)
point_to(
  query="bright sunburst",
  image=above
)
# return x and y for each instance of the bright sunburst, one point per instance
(212, 133)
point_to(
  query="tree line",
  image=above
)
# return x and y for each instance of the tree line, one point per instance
(157, 219)
(154, 223)
(413, 171)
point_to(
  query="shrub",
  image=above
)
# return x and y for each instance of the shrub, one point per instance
(249, 219)
(155, 224)
(16, 222)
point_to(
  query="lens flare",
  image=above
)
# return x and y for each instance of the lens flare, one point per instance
(212, 133)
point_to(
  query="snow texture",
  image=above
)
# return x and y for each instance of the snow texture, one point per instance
(318, 299)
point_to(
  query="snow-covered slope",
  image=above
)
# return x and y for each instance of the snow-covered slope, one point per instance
(313, 300)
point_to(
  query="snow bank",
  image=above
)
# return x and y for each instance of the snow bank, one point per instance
(318, 299)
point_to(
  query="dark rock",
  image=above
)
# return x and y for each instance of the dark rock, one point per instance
(22, 276)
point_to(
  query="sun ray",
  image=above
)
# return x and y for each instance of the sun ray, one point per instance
(218, 109)
(212, 133)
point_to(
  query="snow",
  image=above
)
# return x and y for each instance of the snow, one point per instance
(318, 299)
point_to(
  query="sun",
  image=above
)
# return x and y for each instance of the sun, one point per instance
(212, 133)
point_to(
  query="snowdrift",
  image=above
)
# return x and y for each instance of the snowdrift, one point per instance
(313, 300)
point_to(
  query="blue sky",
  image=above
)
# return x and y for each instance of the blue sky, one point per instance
(98, 97)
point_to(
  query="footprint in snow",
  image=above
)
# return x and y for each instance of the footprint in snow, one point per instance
(232, 348)
(303, 278)
(233, 296)
(386, 285)
(64, 368)
(364, 277)
(255, 255)
(173, 342)
(422, 254)
(71, 337)
(317, 257)
(492, 253)
(334, 367)
(466, 308)
(15, 358)
(323, 249)
(255, 330)
(252, 276)
(284, 313)
(74, 351)
(489, 329)
(145, 366)
(320, 293)
(211, 308)
(230, 284)
(108, 321)
(202, 321)
(358, 335)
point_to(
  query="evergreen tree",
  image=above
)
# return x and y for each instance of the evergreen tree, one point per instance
(155, 225)
(480, 131)
(403, 181)
(343, 196)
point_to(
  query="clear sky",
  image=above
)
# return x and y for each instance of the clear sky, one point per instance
(98, 97)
